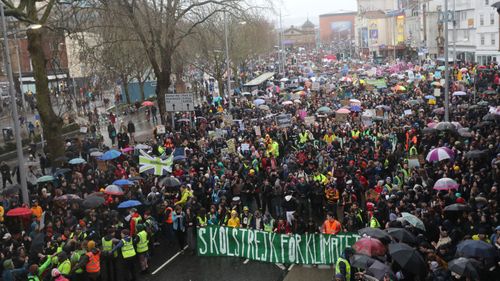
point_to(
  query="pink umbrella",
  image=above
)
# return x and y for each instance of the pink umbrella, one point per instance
(445, 184)
(343, 111)
(127, 149)
(148, 103)
(440, 154)
(432, 124)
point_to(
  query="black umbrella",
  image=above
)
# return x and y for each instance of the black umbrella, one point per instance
(136, 178)
(490, 117)
(408, 258)
(93, 202)
(361, 261)
(402, 235)
(379, 270)
(457, 207)
(429, 130)
(476, 249)
(61, 171)
(375, 233)
(464, 267)
(62, 159)
(10, 190)
(170, 182)
(474, 154)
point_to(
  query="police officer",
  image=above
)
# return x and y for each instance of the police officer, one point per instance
(109, 259)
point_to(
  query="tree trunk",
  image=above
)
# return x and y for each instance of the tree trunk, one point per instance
(141, 88)
(125, 89)
(162, 85)
(51, 123)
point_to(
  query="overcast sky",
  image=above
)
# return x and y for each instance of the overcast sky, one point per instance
(296, 12)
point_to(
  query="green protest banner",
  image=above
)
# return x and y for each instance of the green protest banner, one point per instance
(272, 247)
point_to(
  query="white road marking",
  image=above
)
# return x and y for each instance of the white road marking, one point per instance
(246, 261)
(281, 266)
(291, 266)
(169, 261)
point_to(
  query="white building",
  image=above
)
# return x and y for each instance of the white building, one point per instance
(486, 40)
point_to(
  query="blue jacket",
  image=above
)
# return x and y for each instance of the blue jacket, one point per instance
(179, 222)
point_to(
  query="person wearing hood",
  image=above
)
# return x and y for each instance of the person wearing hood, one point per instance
(342, 266)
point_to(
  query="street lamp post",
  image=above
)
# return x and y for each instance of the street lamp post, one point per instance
(15, 115)
(446, 64)
(23, 99)
(228, 85)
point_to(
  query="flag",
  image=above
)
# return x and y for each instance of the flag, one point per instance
(155, 165)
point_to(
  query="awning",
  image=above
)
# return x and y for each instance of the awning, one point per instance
(259, 80)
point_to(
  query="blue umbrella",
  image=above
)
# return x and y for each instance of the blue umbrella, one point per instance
(258, 102)
(121, 182)
(110, 155)
(355, 108)
(430, 97)
(129, 204)
(76, 161)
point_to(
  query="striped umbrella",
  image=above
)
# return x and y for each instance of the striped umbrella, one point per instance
(445, 184)
(440, 154)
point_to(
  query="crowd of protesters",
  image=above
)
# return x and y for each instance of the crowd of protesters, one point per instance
(341, 172)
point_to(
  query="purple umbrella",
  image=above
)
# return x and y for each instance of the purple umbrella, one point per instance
(445, 184)
(440, 154)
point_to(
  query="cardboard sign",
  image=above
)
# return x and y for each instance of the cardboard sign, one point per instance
(309, 120)
(228, 120)
(408, 112)
(231, 145)
(219, 133)
(245, 147)
(257, 130)
(160, 129)
(437, 92)
(83, 130)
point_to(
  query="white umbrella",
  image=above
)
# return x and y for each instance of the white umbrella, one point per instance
(354, 101)
(459, 93)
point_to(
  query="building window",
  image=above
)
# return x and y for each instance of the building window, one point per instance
(492, 19)
(486, 2)
(481, 20)
(482, 39)
(493, 38)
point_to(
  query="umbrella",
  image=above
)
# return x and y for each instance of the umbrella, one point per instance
(444, 126)
(440, 154)
(369, 246)
(113, 190)
(459, 94)
(258, 102)
(481, 202)
(413, 220)
(288, 102)
(61, 159)
(148, 103)
(184, 120)
(408, 258)
(483, 103)
(354, 101)
(355, 108)
(476, 248)
(457, 207)
(465, 267)
(429, 97)
(92, 202)
(465, 132)
(361, 261)
(263, 107)
(246, 94)
(402, 235)
(45, 179)
(110, 155)
(383, 107)
(475, 154)
(324, 109)
(121, 182)
(379, 270)
(76, 161)
(413, 102)
(343, 111)
(490, 92)
(445, 184)
(127, 149)
(68, 197)
(436, 84)
(61, 171)
(463, 69)
(439, 110)
(10, 190)
(429, 130)
(490, 117)
(19, 211)
(297, 101)
(136, 178)
(129, 204)
(170, 182)
(142, 146)
(96, 154)
(375, 233)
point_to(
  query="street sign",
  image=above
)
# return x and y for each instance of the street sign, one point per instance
(179, 102)
(284, 120)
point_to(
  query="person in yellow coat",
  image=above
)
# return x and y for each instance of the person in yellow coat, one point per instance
(234, 221)
(2, 212)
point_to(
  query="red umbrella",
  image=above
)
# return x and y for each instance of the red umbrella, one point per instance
(148, 103)
(369, 246)
(18, 212)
